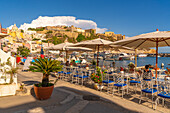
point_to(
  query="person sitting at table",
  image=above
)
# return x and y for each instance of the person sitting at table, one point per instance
(67, 63)
(147, 74)
(74, 63)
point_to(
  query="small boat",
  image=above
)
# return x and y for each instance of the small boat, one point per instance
(142, 55)
(125, 56)
(112, 58)
(153, 55)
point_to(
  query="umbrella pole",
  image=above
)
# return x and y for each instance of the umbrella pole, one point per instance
(98, 56)
(135, 58)
(66, 55)
(156, 56)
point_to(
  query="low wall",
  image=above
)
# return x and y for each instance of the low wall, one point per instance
(6, 90)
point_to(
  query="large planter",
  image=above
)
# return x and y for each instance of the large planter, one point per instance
(43, 93)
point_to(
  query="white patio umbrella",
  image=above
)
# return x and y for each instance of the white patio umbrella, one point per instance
(93, 44)
(118, 47)
(153, 39)
(78, 49)
(61, 46)
(66, 47)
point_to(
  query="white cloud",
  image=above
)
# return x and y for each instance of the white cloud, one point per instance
(101, 30)
(10, 27)
(126, 37)
(62, 20)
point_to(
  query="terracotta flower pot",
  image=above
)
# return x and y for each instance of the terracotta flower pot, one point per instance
(43, 93)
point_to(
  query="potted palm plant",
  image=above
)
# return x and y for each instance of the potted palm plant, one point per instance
(44, 89)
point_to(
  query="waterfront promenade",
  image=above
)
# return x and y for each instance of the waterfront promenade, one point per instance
(71, 98)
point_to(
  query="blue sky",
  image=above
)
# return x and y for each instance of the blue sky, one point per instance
(127, 17)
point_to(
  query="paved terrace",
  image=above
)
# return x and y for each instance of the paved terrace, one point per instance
(71, 98)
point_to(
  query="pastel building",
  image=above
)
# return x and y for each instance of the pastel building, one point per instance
(14, 34)
(115, 36)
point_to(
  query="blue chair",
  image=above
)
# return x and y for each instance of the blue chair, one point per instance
(75, 75)
(120, 84)
(107, 81)
(164, 92)
(135, 81)
(83, 75)
(67, 73)
(147, 87)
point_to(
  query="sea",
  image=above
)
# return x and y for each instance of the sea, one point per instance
(141, 61)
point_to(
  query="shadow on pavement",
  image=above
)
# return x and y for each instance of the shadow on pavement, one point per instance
(27, 83)
(21, 104)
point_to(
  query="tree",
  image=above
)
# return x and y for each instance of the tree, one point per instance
(49, 32)
(35, 39)
(45, 66)
(23, 51)
(22, 31)
(37, 29)
(80, 38)
(45, 41)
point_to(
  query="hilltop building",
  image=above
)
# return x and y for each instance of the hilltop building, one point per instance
(90, 31)
(115, 36)
(111, 36)
(62, 31)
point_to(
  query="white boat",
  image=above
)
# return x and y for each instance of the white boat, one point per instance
(142, 55)
(125, 56)
(111, 58)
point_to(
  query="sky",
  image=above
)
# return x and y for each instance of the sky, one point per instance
(127, 17)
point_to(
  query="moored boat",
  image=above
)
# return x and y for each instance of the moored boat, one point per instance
(142, 55)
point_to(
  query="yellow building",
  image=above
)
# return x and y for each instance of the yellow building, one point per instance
(114, 36)
(14, 34)
(109, 33)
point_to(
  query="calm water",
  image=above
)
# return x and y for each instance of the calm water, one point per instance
(141, 62)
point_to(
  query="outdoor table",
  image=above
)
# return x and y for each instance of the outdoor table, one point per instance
(159, 72)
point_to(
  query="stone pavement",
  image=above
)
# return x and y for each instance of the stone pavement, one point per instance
(69, 98)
